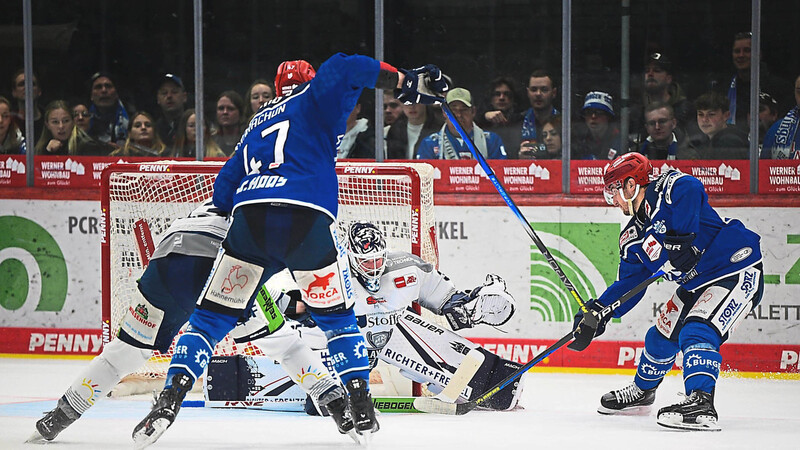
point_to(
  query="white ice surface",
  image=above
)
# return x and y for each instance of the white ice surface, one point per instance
(559, 413)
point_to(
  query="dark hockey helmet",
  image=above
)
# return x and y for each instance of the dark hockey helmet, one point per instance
(367, 252)
(292, 74)
(630, 165)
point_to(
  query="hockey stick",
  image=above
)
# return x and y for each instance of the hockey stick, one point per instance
(436, 406)
(590, 320)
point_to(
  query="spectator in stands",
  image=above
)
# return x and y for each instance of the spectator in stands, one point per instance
(781, 141)
(260, 92)
(447, 143)
(58, 128)
(11, 139)
(501, 114)
(664, 139)
(738, 90)
(661, 87)
(81, 116)
(551, 137)
(171, 97)
(230, 113)
(60, 136)
(142, 138)
(767, 114)
(186, 137)
(718, 141)
(392, 111)
(110, 118)
(404, 136)
(542, 93)
(598, 136)
(18, 110)
(359, 136)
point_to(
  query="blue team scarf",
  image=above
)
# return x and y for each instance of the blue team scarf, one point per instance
(785, 136)
(529, 132)
(672, 148)
(732, 100)
(119, 125)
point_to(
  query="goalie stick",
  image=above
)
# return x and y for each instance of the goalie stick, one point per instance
(436, 406)
(590, 320)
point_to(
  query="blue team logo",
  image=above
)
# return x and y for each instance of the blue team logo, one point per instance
(659, 227)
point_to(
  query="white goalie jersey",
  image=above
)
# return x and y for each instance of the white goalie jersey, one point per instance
(406, 279)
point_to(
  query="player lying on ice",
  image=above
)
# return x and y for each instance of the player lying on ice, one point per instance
(170, 286)
(389, 282)
(281, 190)
(715, 262)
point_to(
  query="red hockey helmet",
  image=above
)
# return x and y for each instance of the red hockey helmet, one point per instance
(630, 165)
(292, 74)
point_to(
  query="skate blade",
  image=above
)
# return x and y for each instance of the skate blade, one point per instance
(631, 411)
(142, 440)
(675, 422)
(364, 439)
(354, 436)
(36, 438)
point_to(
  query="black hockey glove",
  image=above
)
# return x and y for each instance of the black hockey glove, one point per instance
(680, 251)
(426, 84)
(582, 332)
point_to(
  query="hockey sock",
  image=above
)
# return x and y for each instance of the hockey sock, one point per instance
(656, 360)
(195, 347)
(346, 345)
(701, 359)
(701, 365)
(103, 373)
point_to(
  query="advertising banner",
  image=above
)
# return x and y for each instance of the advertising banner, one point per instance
(719, 177)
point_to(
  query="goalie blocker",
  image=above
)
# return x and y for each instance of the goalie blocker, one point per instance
(425, 353)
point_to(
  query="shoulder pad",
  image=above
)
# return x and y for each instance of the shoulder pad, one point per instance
(665, 183)
(401, 260)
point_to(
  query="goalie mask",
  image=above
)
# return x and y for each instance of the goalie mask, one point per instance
(367, 252)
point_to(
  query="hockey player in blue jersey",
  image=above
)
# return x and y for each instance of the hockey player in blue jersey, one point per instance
(170, 286)
(281, 189)
(716, 263)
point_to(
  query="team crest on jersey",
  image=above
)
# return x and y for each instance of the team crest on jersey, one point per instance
(659, 227)
(378, 339)
(627, 236)
(652, 248)
(405, 281)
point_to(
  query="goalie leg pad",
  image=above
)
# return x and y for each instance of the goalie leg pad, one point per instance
(304, 365)
(103, 373)
(493, 370)
(346, 345)
(656, 360)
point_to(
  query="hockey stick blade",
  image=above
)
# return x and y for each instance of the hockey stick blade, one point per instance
(445, 403)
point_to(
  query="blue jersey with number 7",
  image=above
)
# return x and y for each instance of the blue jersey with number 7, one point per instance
(287, 154)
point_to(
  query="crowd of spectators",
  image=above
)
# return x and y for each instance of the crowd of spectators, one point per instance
(663, 122)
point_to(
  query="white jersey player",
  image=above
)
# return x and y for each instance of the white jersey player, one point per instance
(390, 282)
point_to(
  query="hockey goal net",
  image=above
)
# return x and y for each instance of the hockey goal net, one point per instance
(139, 201)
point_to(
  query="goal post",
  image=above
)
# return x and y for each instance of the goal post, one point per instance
(140, 200)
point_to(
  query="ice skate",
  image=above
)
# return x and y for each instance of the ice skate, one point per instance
(362, 410)
(335, 401)
(163, 413)
(629, 400)
(696, 412)
(54, 422)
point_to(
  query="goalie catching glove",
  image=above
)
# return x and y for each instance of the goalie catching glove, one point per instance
(426, 84)
(489, 303)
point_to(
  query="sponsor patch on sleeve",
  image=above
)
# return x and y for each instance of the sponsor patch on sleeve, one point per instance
(627, 236)
(142, 321)
(652, 248)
